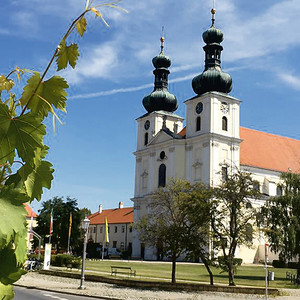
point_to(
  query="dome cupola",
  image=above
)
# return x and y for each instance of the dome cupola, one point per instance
(160, 98)
(212, 78)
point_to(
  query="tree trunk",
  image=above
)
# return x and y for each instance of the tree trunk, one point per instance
(173, 269)
(211, 276)
(231, 274)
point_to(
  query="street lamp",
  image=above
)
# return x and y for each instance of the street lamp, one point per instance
(85, 226)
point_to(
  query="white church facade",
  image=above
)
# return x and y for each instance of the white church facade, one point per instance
(210, 146)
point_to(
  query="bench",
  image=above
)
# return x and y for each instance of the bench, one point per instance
(292, 277)
(122, 270)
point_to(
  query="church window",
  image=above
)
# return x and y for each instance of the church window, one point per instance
(224, 124)
(198, 124)
(256, 186)
(162, 155)
(146, 139)
(279, 190)
(162, 175)
(224, 173)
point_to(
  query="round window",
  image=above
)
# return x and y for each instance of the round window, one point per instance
(162, 155)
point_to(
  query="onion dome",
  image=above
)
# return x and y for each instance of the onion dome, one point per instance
(212, 78)
(160, 98)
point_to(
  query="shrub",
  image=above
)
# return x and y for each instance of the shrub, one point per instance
(64, 260)
(236, 262)
(292, 265)
(278, 263)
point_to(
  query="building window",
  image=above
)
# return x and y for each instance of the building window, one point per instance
(256, 186)
(224, 173)
(114, 244)
(101, 229)
(130, 229)
(108, 229)
(162, 175)
(116, 229)
(146, 139)
(122, 245)
(198, 124)
(162, 155)
(224, 124)
(279, 190)
(95, 229)
(123, 229)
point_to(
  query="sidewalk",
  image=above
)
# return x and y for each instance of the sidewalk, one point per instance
(109, 291)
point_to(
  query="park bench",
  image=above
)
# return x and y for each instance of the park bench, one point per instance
(122, 270)
(292, 277)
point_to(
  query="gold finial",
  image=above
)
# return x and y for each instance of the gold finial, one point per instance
(213, 12)
(162, 39)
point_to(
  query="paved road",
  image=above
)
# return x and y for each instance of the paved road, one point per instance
(22, 293)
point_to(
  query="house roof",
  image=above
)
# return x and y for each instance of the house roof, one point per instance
(29, 211)
(267, 151)
(114, 216)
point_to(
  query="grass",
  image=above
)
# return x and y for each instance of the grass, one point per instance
(250, 275)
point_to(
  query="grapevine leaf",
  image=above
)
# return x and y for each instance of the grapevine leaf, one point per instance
(6, 292)
(7, 151)
(10, 270)
(52, 90)
(66, 54)
(5, 83)
(81, 26)
(40, 177)
(13, 214)
(26, 134)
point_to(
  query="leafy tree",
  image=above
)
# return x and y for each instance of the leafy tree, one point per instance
(233, 217)
(168, 226)
(197, 207)
(61, 218)
(281, 219)
(22, 148)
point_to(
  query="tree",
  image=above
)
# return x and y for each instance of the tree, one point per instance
(197, 207)
(22, 149)
(233, 217)
(61, 217)
(167, 226)
(281, 219)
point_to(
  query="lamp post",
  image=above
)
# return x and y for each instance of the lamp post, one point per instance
(85, 226)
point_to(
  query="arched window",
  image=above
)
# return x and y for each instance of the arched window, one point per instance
(146, 139)
(224, 124)
(162, 175)
(198, 124)
(279, 190)
(256, 186)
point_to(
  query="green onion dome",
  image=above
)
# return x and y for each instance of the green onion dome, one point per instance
(160, 98)
(212, 78)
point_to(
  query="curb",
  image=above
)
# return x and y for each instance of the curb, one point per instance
(189, 287)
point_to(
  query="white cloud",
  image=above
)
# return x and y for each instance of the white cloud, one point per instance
(291, 80)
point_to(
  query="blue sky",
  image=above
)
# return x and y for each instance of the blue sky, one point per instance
(92, 152)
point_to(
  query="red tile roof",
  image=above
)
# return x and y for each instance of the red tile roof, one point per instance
(29, 211)
(114, 216)
(269, 151)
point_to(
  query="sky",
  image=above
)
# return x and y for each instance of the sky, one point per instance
(92, 152)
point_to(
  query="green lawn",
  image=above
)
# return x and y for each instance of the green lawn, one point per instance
(246, 275)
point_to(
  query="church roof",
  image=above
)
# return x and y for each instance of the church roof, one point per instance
(267, 151)
(114, 216)
(29, 211)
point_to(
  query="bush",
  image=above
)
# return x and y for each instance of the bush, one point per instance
(236, 262)
(64, 260)
(292, 265)
(278, 263)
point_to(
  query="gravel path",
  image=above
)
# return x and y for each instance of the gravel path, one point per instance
(69, 285)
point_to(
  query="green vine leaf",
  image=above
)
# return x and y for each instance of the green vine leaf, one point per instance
(67, 54)
(6, 292)
(50, 92)
(81, 26)
(13, 214)
(6, 84)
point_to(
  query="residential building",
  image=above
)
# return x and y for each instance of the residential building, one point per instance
(119, 221)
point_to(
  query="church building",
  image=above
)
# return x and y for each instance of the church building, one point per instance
(210, 146)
